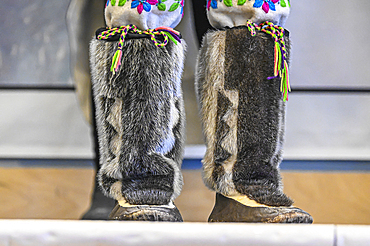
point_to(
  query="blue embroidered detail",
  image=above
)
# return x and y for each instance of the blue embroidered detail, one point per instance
(266, 5)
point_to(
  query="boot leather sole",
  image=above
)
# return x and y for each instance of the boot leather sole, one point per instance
(230, 210)
(146, 213)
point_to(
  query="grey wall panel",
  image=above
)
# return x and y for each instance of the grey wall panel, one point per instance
(34, 45)
(327, 126)
(193, 125)
(330, 43)
(43, 125)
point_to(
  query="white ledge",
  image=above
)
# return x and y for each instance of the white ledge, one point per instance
(54, 232)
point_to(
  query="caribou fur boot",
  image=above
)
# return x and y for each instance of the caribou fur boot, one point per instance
(243, 113)
(136, 64)
(140, 122)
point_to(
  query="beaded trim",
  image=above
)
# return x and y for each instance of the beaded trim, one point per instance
(281, 69)
(166, 32)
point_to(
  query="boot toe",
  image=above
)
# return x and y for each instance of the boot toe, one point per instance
(229, 210)
(146, 213)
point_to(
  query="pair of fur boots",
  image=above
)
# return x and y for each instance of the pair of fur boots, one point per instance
(137, 64)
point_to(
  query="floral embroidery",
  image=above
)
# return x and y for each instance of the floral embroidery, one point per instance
(161, 6)
(283, 3)
(176, 5)
(266, 5)
(146, 5)
(228, 3)
(213, 4)
(182, 7)
(121, 2)
(113, 3)
(143, 5)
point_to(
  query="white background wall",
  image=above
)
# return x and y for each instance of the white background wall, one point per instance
(330, 48)
(42, 125)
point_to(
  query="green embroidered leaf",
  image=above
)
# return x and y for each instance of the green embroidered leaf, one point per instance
(113, 2)
(288, 3)
(282, 3)
(173, 7)
(121, 2)
(162, 6)
(164, 0)
(241, 2)
(228, 3)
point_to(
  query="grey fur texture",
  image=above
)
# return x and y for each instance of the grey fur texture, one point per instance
(140, 120)
(243, 115)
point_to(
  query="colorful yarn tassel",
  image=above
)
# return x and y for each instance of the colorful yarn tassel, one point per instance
(166, 32)
(116, 61)
(281, 69)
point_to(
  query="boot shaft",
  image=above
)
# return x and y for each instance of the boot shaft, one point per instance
(243, 114)
(140, 120)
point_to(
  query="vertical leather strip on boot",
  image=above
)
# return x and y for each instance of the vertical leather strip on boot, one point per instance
(218, 112)
(210, 75)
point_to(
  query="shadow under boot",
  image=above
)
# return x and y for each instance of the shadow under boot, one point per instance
(243, 116)
(101, 206)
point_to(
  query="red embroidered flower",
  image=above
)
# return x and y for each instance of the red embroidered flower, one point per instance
(143, 5)
(266, 5)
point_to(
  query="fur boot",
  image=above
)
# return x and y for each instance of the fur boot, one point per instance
(243, 115)
(140, 122)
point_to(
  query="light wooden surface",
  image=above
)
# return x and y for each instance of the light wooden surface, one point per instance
(195, 201)
(44, 193)
(63, 193)
(338, 198)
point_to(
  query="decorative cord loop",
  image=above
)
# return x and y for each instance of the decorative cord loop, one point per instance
(281, 69)
(166, 32)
